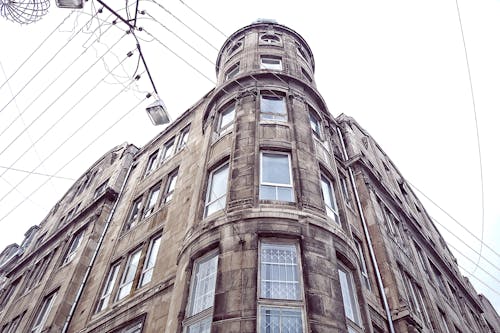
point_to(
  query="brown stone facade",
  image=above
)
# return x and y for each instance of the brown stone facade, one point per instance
(255, 211)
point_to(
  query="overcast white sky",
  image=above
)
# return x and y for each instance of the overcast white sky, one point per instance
(397, 67)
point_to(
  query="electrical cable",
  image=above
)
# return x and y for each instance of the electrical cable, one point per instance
(185, 25)
(472, 261)
(213, 26)
(66, 140)
(478, 279)
(60, 95)
(22, 194)
(37, 173)
(77, 155)
(477, 136)
(41, 69)
(36, 49)
(451, 217)
(47, 87)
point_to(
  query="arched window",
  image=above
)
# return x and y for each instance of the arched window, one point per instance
(270, 39)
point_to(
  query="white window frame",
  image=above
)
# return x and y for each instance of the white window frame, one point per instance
(315, 125)
(153, 162)
(271, 62)
(273, 116)
(201, 315)
(350, 293)
(128, 275)
(223, 129)
(364, 268)
(332, 208)
(170, 144)
(345, 191)
(73, 248)
(183, 139)
(211, 201)
(298, 283)
(277, 307)
(101, 189)
(270, 39)
(232, 72)
(149, 263)
(150, 208)
(276, 185)
(43, 312)
(108, 287)
(168, 193)
(134, 215)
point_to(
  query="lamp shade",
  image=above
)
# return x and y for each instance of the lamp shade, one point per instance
(157, 112)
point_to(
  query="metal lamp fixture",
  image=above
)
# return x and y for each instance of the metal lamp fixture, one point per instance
(157, 112)
(71, 4)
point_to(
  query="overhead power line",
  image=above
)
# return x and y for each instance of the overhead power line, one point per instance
(73, 134)
(477, 135)
(37, 48)
(204, 19)
(479, 280)
(76, 156)
(472, 261)
(36, 173)
(43, 67)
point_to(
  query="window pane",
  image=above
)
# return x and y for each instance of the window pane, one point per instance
(216, 199)
(203, 289)
(168, 149)
(279, 277)
(152, 199)
(348, 295)
(108, 287)
(202, 326)
(226, 119)
(275, 169)
(147, 270)
(278, 320)
(269, 62)
(314, 123)
(329, 198)
(128, 275)
(272, 108)
(169, 192)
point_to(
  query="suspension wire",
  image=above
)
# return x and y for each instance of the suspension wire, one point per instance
(452, 218)
(477, 136)
(479, 280)
(58, 97)
(472, 261)
(22, 194)
(208, 22)
(47, 87)
(44, 66)
(78, 154)
(71, 136)
(37, 173)
(37, 48)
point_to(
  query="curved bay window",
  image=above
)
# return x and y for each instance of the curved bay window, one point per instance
(276, 177)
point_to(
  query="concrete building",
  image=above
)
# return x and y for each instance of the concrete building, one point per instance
(255, 211)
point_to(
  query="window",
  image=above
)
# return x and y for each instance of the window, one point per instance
(183, 138)
(270, 39)
(329, 198)
(236, 47)
(226, 120)
(154, 192)
(315, 124)
(37, 272)
(7, 294)
(279, 274)
(134, 215)
(217, 190)
(301, 52)
(276, 177)
(280, 319)
(169, 189)
(43, 313)
(349, 296)
(232, 71)
(108, 288)
(423, 307)
(345, 191)
(410, 292)
(15, 324)
(168, 150)
(128, 275)
(101, 189)
(152, 163)
(422, 260)
(149, 264)
(364, 270)
(134, 327)
(439, 280)
(272, 108)
(201, 294)
(279, 279)
(271, 62)
(73, 247)
(306, 75)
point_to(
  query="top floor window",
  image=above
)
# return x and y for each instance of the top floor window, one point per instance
(315, 124)
(270, 38)
(236, 47)
(168, 150)
(101, 189)
(232, 71)
(226, 120)
(271, 62)
(273, 107)
(183, 138)
(152, 163)
(302, 53)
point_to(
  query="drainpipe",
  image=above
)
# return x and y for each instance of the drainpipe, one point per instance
(94, 256)
(368, 238)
